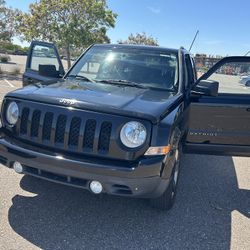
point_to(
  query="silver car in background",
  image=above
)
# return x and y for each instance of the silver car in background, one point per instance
(245, 80)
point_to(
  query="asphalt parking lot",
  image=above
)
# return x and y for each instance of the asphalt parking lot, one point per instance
(212, 210)
(9, 83)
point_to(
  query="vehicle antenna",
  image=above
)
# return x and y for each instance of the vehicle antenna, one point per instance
(197, 32)
(247, 53)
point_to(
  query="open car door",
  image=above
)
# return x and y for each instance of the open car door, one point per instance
(43, 63)
(220, 124)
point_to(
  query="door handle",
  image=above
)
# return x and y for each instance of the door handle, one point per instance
(248, 109)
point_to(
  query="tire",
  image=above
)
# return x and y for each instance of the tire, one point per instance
(247, 84)
(167, 199)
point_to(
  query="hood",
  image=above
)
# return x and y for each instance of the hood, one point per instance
(130, 101)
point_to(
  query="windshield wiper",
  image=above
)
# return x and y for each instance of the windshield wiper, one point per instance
(122, 83)
(164, 89)
(134, 84)
(82, 77)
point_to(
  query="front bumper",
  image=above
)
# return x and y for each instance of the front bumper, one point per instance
(136, 179)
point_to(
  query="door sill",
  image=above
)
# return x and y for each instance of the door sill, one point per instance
(216, 149)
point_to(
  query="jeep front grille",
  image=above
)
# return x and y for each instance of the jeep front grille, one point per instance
(61, 131)
(68, 131)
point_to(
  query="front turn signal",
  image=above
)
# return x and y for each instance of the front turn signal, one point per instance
(158, 150)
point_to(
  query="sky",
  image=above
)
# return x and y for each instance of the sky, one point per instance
(223, 24)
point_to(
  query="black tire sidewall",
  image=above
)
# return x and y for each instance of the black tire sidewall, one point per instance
(168, 197)
(173, 185)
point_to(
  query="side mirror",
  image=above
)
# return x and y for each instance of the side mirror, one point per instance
(48, 70)
(206, 87)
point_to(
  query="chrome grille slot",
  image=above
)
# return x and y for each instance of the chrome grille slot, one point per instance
(60, 128)
(74, 131)
(24, 121)
(47, 126)
(104, 138)
(35, 123)
(89, 134)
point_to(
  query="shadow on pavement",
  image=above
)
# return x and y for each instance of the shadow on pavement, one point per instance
(8, 63)
(59, 217)
(11, 77)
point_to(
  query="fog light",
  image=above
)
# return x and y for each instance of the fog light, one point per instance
(18, 167)
(95, 187)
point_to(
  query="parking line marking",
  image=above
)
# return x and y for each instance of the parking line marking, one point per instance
(10, 84)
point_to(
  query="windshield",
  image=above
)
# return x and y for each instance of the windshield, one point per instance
(142, 67)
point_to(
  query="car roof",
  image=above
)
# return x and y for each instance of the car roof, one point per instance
(132, 46)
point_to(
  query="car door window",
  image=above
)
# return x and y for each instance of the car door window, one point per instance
(220, 124)
(43, 55)
(194, 68)
(233, 78)
(190, 71)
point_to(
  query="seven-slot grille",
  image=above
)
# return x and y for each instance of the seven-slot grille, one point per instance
(60, 130)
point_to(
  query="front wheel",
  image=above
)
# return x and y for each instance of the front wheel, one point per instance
(166, 200)
(248, 84)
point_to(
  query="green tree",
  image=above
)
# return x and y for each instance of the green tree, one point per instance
(4, 35)
(6, 22)
(10, 48)
(69, 23)
(141, 39)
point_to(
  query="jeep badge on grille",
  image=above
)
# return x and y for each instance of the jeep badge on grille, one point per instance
(67, 101)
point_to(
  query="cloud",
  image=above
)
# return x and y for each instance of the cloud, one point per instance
(154, 10)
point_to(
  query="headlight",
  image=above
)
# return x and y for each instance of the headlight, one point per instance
(12, 113)
(133, 134)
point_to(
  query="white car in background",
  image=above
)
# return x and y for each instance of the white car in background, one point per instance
(245, 80)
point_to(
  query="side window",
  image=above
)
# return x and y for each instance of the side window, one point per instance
(233, 78)
(194, 69)
(43, 55)
(190, 71)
